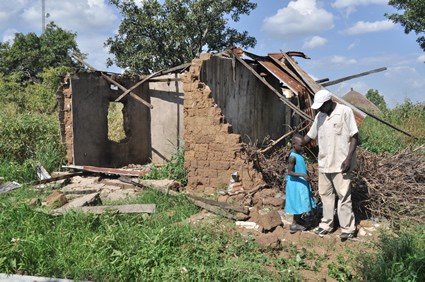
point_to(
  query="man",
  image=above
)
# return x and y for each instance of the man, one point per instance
(336, 132)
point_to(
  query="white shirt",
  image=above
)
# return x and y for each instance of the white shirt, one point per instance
(333, 135)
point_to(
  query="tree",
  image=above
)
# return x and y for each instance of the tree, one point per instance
(412, 18)
(152, 36)
(30, 54)
(379, 101)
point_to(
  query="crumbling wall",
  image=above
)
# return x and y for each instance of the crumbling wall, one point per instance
(64, 96)
(212, 151)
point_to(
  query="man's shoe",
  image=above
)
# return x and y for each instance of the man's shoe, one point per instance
(346, 236)
(294, 228)
(320, 231)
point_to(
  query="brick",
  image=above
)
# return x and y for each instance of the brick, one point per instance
(203, 164)
(220, 165)
(201, 155)
(207, 172)
(206, 139)
(233, 138)
(227, 128)
(220, 138)
(205, 56)
(201, 147)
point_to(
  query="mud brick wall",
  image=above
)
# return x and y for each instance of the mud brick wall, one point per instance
(212, 151)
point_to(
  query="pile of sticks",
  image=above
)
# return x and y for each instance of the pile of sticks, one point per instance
(392, 187)
(383, 186)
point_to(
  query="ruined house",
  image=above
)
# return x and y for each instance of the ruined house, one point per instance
(211, 107)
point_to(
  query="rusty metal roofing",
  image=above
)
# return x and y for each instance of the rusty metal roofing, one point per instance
(283, 67)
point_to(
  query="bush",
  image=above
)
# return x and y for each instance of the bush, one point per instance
(26, 139)
(398, 258)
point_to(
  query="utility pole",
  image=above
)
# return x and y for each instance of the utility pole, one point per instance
(43, 16)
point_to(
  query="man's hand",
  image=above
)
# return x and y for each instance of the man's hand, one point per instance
(345, 166)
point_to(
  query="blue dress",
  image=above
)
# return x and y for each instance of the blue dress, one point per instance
(299, 198)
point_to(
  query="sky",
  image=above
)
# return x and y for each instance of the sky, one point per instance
(342, 38)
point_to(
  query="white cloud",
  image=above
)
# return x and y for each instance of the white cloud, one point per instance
(299, 18)
(314, 42)
(353, 45)
(366, 27)
(343, 4)
(340, 60)
(421, 58)
(92, 20)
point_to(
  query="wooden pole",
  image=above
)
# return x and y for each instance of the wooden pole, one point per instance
(107, 78)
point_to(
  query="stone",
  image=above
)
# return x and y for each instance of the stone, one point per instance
(56, 199)
(270, 220)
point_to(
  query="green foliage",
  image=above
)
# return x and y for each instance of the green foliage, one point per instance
(154, 36)
(30, 54)
(174, 169)
(412, 17)
(379, 101)
(26, 139)
(340, 270)
(299, 260)
(380, 138)
(398, 258)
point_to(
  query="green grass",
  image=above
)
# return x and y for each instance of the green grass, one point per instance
(174, 169)
(396, 257)
(112, 247)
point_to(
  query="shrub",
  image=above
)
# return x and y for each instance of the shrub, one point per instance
(398, 258)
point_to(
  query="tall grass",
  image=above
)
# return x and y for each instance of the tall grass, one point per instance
(380, 138)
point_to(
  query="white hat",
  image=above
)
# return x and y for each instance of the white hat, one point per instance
(321, 97)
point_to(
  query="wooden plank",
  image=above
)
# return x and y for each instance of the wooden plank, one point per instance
(53, 179)
(134, 208)
(210, 205)
(305, 77)
(359, 115)
(220, 204)
(125, 89)
(158, 73)
(135, 86)
(108, 171)
(333, 82)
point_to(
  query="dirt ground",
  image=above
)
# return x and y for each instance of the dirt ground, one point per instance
(315, 253)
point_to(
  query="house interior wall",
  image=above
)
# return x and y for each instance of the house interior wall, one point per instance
(252, 109)
(91, 95)
(166, 117)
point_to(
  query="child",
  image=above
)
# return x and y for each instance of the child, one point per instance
(299, 198)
